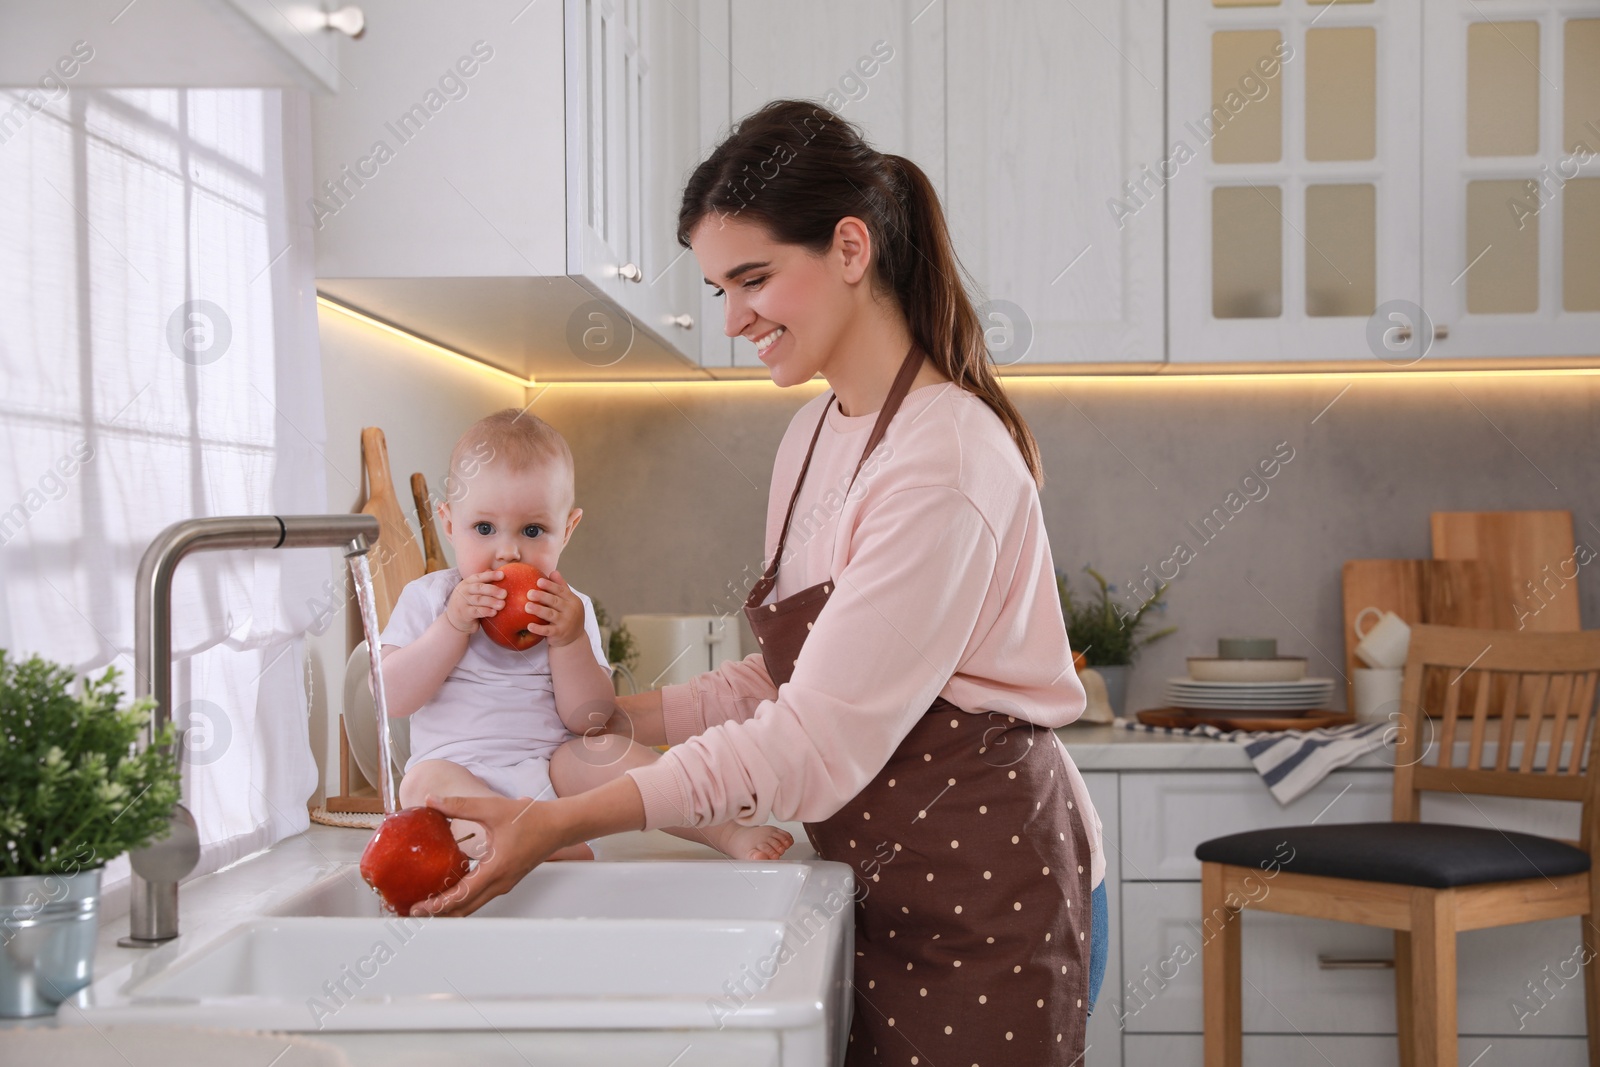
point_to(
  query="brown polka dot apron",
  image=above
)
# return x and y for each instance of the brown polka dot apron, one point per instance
(971, 863)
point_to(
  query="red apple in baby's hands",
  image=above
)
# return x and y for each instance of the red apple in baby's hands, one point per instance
(412, 857)
(509, 626)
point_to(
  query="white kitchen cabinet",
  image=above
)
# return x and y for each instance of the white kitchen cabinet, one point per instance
(1166, 815)
(715, 114)
(632, 96)
(1513, 989)
(1297, 974)
(1028, 118)
(879, 65)
(1511, 162)
(675, 145)
(497, 174)
(87, 44)
(1053, 110)
(1283, 990)
(1410, 181)
(1292, 176)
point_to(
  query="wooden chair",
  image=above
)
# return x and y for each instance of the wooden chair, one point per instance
(1528, 693)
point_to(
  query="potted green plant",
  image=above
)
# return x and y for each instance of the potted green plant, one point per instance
(76, 791)
(621, 652)
(1106, 634)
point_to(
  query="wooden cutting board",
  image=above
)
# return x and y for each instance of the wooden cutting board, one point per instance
(396, 559)
(1531, 563)
(432, 554)
(1457, 592)
(1184, 718)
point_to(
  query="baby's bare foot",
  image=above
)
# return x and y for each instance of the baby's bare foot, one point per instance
(573, 852)
(757, 842)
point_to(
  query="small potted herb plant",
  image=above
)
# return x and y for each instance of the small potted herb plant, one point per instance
(621, 651)
(76, 791)
(1108, 635)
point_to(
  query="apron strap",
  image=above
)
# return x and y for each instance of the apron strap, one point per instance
(891, 404)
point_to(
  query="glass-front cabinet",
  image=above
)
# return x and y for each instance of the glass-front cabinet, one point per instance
(1511, 170)
(1377, 178)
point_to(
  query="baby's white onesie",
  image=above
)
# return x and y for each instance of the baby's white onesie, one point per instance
(495, 713)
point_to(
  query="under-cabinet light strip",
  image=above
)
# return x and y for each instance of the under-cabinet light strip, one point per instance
(1403, 374)
(422, 342)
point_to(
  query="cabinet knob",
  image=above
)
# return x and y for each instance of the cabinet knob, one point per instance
(630, 272)
(685, 321)
(348, 20)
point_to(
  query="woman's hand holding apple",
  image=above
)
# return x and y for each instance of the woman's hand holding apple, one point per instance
(520, 835)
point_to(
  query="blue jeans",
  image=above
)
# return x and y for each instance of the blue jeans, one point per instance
(1099, 936)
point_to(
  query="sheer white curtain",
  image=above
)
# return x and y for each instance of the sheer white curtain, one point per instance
(159, 361)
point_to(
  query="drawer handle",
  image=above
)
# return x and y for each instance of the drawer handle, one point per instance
(1354, 963)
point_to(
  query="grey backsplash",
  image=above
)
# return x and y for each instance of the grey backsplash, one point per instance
(673, 482)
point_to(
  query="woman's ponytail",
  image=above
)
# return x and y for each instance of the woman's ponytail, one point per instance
(799, 168)
(941, 315)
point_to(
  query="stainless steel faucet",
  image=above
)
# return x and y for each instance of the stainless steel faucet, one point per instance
(153, 906)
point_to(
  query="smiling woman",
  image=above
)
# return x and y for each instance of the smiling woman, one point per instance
(913, 658)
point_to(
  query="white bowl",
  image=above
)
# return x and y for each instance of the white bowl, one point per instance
(1280, 669)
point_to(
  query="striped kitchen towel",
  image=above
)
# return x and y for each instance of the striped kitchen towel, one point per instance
(1293, 761)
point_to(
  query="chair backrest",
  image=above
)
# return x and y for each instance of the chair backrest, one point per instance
(1503, 694)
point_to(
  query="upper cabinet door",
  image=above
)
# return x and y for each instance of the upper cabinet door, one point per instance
(605, 68)
(879, 65)
(713, 27)
(88, 44)
(1292, 177)
(442, 157)
(673, 42)
(1511, 250)
(1054, 129)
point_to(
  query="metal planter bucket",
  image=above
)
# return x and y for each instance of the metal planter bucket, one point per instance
(48, 924)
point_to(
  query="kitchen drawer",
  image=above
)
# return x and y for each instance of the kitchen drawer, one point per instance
(1329, 1050)
(1164, 816)
(1161, 972)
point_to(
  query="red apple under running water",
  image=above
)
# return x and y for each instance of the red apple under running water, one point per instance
(412, 857)
(509, 625)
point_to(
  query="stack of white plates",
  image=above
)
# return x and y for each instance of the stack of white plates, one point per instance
(1307, 694)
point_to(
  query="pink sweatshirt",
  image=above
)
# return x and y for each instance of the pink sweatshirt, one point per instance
(945, 587)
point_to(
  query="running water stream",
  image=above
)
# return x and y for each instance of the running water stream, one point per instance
(362, 573)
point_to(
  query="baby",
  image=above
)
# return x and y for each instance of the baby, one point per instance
(485, 719)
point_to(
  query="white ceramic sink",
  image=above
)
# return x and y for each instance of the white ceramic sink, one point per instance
(709, 889)
(679, 946)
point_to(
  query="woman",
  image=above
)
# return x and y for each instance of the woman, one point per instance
(913, 659)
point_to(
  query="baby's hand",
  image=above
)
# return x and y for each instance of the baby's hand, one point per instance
(474, 598)
(560, 608)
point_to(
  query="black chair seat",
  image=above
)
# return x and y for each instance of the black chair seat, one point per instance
(1437, 855)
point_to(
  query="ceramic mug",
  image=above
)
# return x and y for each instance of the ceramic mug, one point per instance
(1385, 643)
(1376, 692)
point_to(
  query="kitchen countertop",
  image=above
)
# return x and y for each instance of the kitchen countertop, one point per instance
(1096, 747)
